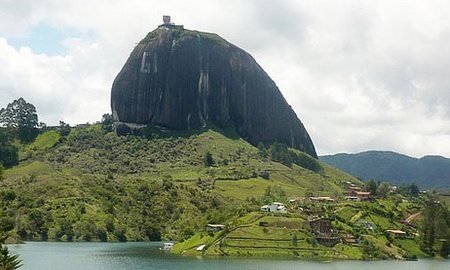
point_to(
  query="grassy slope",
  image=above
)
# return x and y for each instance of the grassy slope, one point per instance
(96, 186)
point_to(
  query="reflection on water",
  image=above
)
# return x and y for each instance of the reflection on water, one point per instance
(140, 256)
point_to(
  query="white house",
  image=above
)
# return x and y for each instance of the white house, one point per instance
(274, 207)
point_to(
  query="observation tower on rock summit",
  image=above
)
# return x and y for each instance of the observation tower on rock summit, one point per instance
(169, 24)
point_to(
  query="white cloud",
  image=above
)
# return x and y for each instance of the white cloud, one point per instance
(360, 74)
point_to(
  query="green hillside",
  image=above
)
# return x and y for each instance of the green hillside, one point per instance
(92, 185)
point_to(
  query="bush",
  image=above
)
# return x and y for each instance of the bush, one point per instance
(123, 130)
(208, 159)
(265, 175)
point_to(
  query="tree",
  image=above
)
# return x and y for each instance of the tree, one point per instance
(429, 235)
(109, 224)
(1, 172)
(294, 239)
(107, 122)
(208, 159)
(273, 194)
(383, 190)
(119, 233)
(8, 151)
(262, 150)
(413, 190)
(435, 227)
(64, 129)
(371, 186)
(22, 117)
(7, 261)
(444, 252)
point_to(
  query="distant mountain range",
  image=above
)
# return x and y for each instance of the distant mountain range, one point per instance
(426, 172)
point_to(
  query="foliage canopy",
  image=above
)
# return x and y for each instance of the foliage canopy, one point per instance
(21, 116)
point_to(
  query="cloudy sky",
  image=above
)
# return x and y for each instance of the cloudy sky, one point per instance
(361, 75)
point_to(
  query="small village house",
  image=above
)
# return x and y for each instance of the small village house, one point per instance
(363, 196)
(351, 190)
(322, 228)
(349, 240)
(321, 199)
(297, 200)
(275, 207)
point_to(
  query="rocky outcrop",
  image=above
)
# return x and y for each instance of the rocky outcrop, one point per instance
(182, 79)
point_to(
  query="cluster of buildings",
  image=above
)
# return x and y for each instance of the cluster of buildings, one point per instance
(322, 227)
(355, 193)
(352, 193)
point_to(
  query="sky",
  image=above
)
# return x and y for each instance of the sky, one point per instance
(361, 75)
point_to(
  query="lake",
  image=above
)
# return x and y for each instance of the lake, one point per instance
(140, 256)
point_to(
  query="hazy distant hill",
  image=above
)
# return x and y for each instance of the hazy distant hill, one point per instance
(427, 172)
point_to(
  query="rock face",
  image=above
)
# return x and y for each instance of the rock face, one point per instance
(182, 79)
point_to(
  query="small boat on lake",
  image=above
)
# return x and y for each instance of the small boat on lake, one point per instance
(167, 246)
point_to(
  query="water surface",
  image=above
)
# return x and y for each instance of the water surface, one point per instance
(140, 256)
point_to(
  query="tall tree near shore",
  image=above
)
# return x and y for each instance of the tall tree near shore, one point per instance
(436, 228)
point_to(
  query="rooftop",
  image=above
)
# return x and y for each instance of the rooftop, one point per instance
(216, 225)
(396, 231)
